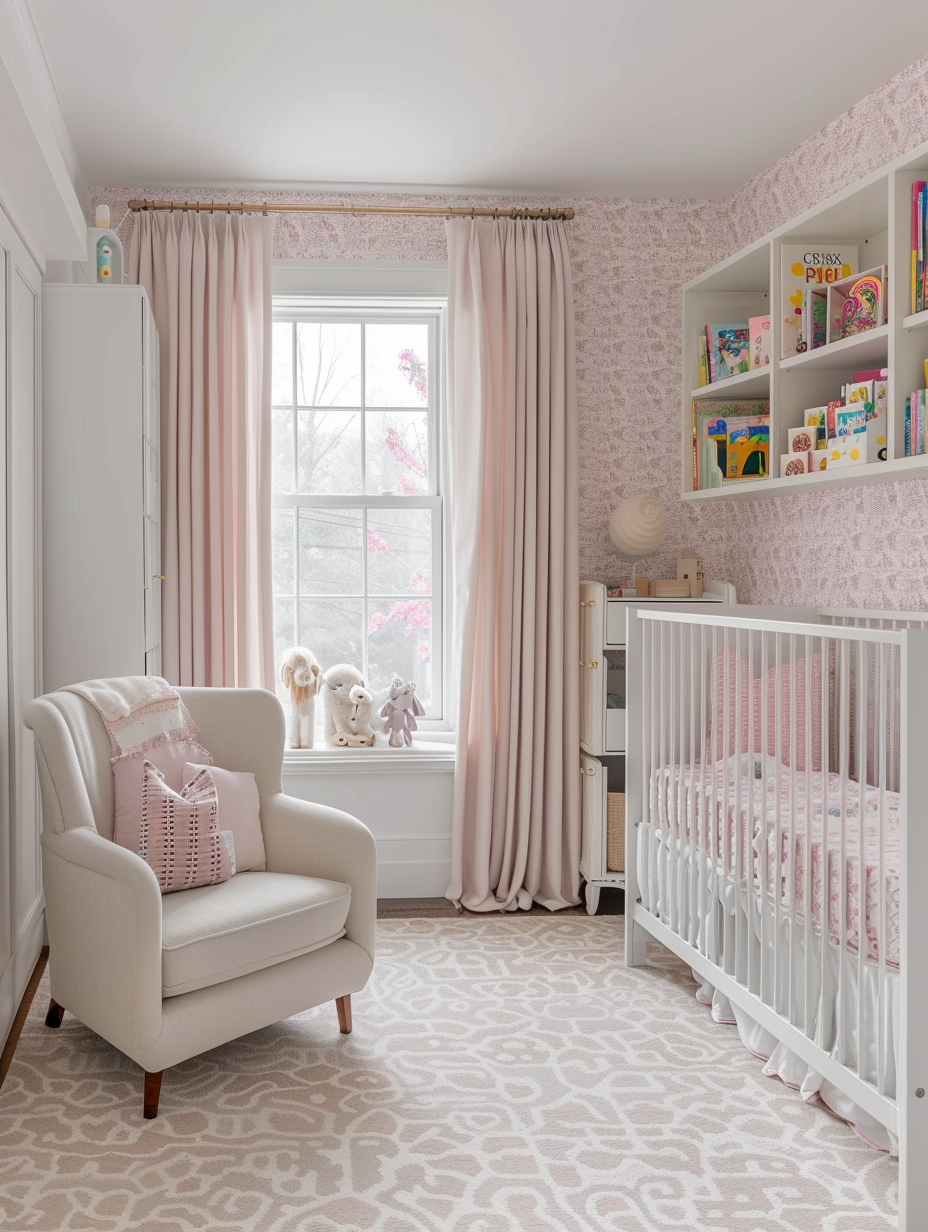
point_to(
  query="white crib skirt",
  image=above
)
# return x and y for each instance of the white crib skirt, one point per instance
(706, 918)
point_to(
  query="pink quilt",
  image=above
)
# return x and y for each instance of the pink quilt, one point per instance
(701, 804)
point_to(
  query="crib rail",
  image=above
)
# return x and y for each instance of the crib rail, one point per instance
(776, 795)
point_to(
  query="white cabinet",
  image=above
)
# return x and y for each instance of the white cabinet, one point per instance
(604, 718)
(873, 215)
(101, 484)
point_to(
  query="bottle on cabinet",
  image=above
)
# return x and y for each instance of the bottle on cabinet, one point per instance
(105, 258)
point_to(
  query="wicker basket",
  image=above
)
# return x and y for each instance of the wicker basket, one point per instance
(615, 831)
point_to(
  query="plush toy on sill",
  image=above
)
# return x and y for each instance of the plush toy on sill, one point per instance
(348, 705)
(399, 713)
(299, 673)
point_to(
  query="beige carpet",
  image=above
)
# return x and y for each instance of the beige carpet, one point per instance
(504, 1075)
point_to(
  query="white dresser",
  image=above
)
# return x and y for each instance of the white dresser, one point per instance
(603, 723)
(101, 515)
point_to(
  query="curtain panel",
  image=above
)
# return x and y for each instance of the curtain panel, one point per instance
(513, 485)
(208, 278)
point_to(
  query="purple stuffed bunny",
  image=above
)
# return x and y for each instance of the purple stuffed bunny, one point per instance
(399, 712)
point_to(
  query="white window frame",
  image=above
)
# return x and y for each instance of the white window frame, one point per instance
(431, 309)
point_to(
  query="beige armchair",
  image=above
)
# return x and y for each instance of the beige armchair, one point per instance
(164, 978)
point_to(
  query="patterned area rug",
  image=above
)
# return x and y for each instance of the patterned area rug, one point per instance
(504, 1075)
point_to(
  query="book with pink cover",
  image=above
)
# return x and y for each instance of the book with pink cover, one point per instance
(760, 334)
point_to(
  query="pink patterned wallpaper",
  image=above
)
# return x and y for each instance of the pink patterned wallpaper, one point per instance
(630, 257)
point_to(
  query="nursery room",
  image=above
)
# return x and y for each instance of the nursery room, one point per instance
(464, 558)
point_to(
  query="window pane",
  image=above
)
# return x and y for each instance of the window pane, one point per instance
(282, 450)
(284, 629)
(331, 629)
(282, 551)
(282, 363)
(397, 448)
(399, 643)
(329, 458)
(328, 364)
(399, 547)
(330, 552)
(395, 361)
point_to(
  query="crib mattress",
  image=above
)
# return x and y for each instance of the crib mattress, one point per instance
(703, 806)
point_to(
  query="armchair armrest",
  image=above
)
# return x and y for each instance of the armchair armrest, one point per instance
(317, 841)
(103, 906)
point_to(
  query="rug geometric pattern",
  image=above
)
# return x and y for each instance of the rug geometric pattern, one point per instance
(505, 1074)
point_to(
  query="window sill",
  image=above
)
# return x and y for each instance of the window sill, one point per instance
(431, 757)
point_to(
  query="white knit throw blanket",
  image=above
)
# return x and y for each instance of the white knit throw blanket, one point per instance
(139, 713)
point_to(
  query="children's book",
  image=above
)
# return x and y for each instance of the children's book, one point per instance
(710, 448)
(919, 202)
(908, 425)
(802, 266)
(728, 350)
(815, 316)
(702, 360)
(857, 304)
(748, 454)
(759, 333)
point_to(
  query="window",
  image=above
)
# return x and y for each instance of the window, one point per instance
(357, 510)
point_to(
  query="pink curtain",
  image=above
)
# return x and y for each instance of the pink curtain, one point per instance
(513, 473)
(208, 278)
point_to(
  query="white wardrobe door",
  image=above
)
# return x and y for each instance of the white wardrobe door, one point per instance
(20, 868)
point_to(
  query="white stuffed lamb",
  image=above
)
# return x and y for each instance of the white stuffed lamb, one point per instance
(348, 706)
(299, 673)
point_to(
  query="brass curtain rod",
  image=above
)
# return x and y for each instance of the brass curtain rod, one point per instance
(209, 207)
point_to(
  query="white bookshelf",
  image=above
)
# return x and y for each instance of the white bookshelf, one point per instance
(874, 214)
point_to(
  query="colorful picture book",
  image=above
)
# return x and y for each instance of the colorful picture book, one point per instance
(702, 360)
(803, 266)
(728, 350)
(919, 294)
(731, 441)
(915, 422)
(815, 317)
(857, 304)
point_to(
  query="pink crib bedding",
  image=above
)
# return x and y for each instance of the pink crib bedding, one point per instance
(687, 800)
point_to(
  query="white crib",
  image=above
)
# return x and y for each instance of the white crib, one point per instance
(777, 842)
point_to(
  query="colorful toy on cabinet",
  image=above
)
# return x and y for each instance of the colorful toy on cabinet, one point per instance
(348, 706)
(299, 674)
(400, 711)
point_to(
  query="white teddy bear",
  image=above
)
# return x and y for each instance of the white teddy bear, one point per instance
(348, 706)
(299, 673)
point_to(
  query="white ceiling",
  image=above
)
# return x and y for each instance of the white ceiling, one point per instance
(580, 97)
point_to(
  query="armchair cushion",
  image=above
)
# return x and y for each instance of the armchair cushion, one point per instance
(239, 811)
(219, 932)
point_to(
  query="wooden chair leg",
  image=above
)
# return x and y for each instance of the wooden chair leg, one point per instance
(55, 1014)
(343, 1005)
(152, 1094)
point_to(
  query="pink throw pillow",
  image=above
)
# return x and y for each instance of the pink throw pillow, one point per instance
(239, 811)
(170, 759)
(178, 833)
(738, 679)
(791, 675)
